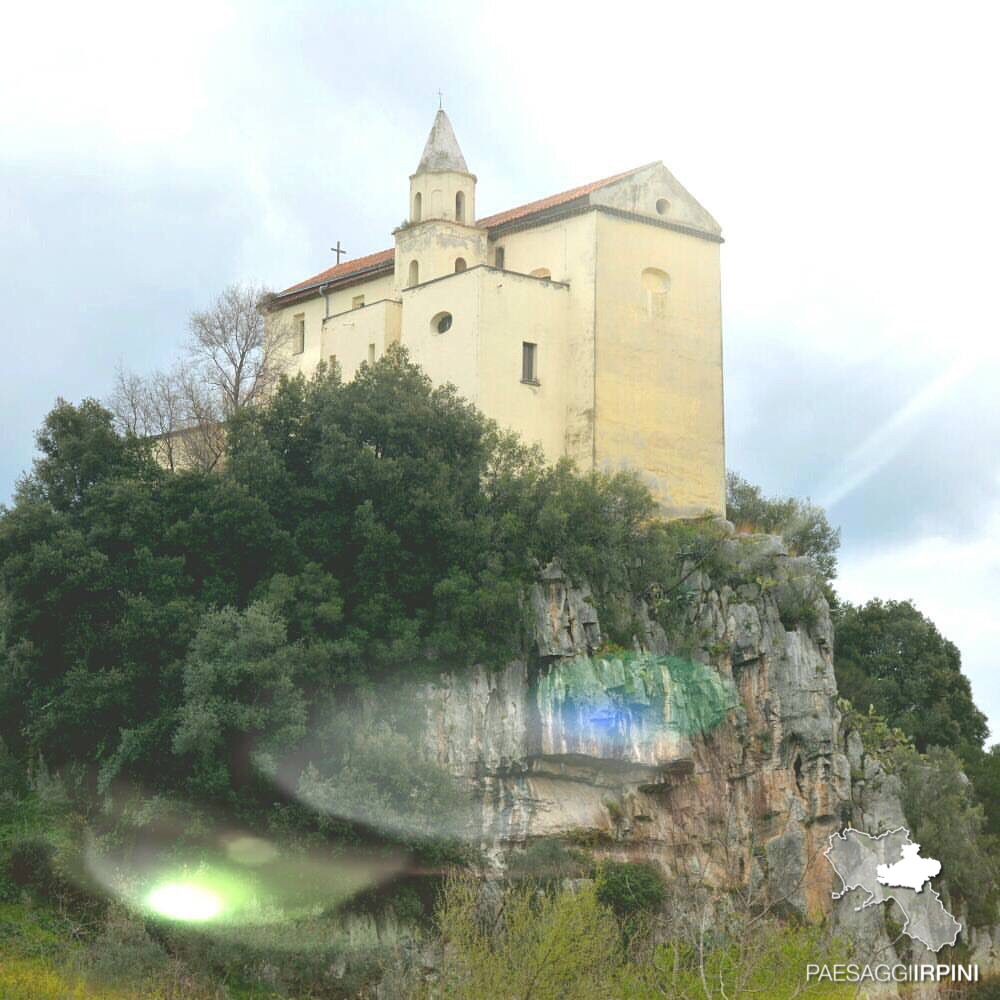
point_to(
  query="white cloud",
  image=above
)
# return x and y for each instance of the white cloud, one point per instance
(131, 74)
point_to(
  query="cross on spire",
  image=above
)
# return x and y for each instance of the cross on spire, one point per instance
(440, 100)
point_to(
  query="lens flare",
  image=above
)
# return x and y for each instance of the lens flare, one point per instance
(185, 901)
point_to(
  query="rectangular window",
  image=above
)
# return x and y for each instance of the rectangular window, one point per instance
(357, 302)
(499, 257)
(371, 354)
(529, 363)
(333, 362)
(299, 333)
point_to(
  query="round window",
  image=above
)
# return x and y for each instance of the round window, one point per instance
(662, 206)
(441, 323)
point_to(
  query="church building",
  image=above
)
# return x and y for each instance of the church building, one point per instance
(588, 322)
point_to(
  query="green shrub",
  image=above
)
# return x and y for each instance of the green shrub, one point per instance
(547, 946)
(630, 888)
(764, 958)
(803, 525)
(949, 825)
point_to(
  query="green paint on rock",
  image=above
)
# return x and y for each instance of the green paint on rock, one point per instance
(668, 692)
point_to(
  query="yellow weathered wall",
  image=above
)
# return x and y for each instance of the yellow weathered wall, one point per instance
(659, 405)
(438, 190)
(514, 309)
(452, 356)
(435, 245)
(624, 382)
(314, 310)
(348, 336)
(493, 313)
(567, 249)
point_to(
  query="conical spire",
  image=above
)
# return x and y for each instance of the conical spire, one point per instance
(441, 151)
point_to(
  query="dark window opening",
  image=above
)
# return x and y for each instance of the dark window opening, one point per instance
(529, 362)
(499, 257)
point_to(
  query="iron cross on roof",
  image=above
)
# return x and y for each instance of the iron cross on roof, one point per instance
(338, 250)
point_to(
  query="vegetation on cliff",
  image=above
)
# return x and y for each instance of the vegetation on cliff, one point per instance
(357, 530)
(197, 644)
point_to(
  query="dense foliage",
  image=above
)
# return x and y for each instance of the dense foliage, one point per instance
(214, 634)
(630, 888)
(803, 525)
(162, 627)
(949, 824)
(891, 656)
(915, 705)
(568, 944)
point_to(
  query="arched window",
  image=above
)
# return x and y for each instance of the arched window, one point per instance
(414, 273)
(460, 265)
(655, 286)
(541, 272)
(460, 207)
(417, 206)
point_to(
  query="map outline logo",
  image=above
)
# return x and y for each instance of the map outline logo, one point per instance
(863, 861)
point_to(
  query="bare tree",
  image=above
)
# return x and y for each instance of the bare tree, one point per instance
(235, 356)
(129, 402)
(239, 346)
(202, 441)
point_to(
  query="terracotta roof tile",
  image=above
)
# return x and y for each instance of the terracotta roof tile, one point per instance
(383, 257)
(344, 270)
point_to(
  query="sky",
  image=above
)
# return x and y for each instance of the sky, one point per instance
(152, 154)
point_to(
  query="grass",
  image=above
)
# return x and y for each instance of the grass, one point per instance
(43, 956)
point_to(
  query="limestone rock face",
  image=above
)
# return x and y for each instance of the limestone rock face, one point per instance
(717, 750)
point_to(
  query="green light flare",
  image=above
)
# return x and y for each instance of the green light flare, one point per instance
(188, 902)
(206, 894)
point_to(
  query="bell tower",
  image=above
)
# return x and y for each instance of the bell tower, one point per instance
(442, 187)
(440, 236)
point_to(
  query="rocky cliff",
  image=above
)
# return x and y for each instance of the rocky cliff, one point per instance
(713, 746)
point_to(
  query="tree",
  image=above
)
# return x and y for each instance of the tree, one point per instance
(803, 525)
(239, 347)
(889, 655)
(630, 888)
(176, 412)
(240, 696)
(984, 770)
(388, 523)
(236, 353)
(950, 826)
(80, 448)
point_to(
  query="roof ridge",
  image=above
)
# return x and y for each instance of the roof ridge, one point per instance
(381, 257)
(557, 199)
